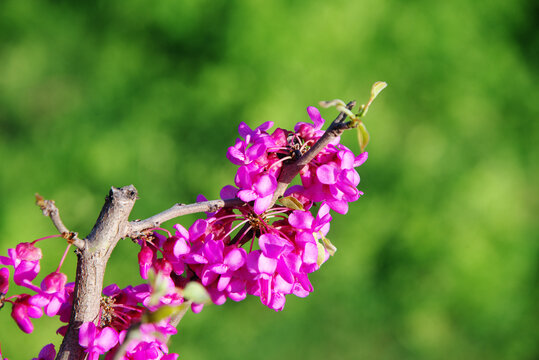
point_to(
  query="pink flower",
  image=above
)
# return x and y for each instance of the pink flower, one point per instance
(47, 353)
(124, 308)
(308, 131)
(240, 154)
(4, 280)
(150, 344)
(25, 260)
(23, 310)
(256, 187)
(52, 294)
(146, 257)
(97, 341)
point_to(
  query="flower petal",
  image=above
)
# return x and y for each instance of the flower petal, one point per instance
(315, 116)
(262, 204)
(327, 174)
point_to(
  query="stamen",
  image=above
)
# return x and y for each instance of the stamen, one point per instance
(235, 227)
(243, 234)
(280, 161)
(236, 216)
(252, 242)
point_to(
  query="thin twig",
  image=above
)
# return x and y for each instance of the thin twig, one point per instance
(49, 209)
(137, 227)
(290, 170)
(288, 173)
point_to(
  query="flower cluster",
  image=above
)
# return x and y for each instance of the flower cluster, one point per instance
(262, 247)
(285, 242)
(120, 309)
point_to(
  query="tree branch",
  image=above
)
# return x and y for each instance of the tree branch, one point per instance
(290, 170)
(92, 260)
(288, 173)
(112, 225)
(49, 209)
(137, 227)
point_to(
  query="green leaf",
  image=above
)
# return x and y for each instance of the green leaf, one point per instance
(362, 136)
(163, 312)
(321, 254)
(159, 287)
(291, 203)
(336, 102)
(196, 292)
(329, 246)
(377, 87)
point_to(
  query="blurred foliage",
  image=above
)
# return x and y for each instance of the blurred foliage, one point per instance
(439, 259)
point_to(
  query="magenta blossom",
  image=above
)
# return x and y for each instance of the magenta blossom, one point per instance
(25, 260)
(97, 341)
(256, 187)
(4, 280)
(23, 310)
(52, 294)
(47, 353)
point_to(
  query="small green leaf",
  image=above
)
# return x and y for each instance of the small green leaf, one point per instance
(195, 292)
(291, 203)
(336, 102)
(329, 246)
(377, 87)
(340, 106)
(163, 312)
(159, 287)
(362, 136)
(321, 254)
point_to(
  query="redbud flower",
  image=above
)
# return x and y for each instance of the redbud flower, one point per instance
(23, 310)
(25, 260)
(52, 294)
(145, 259)
(256, 187)
(97, 341)
(28, 252)
(47, 353)
(4, 281)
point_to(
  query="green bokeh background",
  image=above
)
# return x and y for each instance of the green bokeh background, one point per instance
(439, 259)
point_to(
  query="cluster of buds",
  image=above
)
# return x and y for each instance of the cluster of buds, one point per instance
(265, 246)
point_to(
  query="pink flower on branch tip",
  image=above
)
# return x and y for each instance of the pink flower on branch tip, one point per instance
(310, 131)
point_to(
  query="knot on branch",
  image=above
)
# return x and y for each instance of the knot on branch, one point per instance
(70, 236)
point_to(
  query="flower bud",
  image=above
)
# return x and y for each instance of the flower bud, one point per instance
(4, 280)
(28, 252)
(54, 282)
